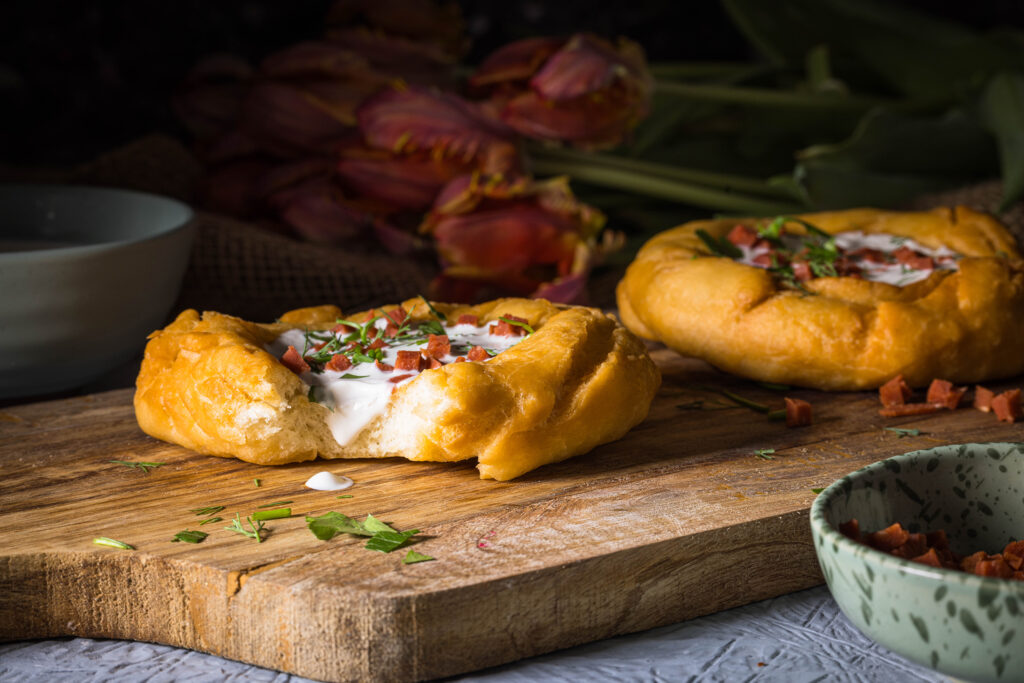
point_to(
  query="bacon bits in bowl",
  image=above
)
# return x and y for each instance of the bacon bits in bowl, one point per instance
(922, 553)
(86, 273)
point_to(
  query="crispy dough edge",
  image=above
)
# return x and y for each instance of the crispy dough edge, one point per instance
(966, 326)
(582, 379)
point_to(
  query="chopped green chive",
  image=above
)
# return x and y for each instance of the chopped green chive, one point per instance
(212, 510)
(280, 502)
(144, 466)
(211, 519)
(256, 482)
(346, 496)
(765, 453)
(112, 543)
(903, 432)
(279, 513)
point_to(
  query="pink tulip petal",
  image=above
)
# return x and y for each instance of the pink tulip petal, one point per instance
(517, 61)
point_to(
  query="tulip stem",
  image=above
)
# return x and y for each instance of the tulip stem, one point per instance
(729, 71)
(721, 181)
(663, 188)
(766, 97)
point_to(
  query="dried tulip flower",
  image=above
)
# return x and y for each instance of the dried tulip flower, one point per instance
(583, 91)
(513, 235)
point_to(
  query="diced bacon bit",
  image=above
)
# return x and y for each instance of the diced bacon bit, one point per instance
(294, 362)
(1006, 406)
(938, 540)
(742, 236)
(507, 329)
(377, 343)
(763, 244)
(460, 359)
(851, 530)
(869, 255)
(408, 360)
(798, 412)
(888, 539)
(434, 363)
(915, 545)
(321, 345)
(994, 565)
(384, 367)
(847, 267)
(942, 393)
(802, 271)
(467, 319)
(478, 353)
(971, 561)
(912, 259)
(354, 346)
(909, 409)
(1015, 548)
(372, 332)
(342, 328)
(339, 362)
(399, 378)
(930, 558)
(438, 346)
(395, 319)
(763, 260)
(895, 392)
(983, 398)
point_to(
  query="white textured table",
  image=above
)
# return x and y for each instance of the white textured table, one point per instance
(798, 637)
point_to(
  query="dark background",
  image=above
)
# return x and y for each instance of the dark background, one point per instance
(78, 78)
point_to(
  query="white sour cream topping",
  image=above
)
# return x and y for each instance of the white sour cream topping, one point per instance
(892, 273)
(325, 481)
(364, 394)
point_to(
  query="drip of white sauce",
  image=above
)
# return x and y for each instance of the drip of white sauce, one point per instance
(892, 273)
(365, 390)
(325, 481)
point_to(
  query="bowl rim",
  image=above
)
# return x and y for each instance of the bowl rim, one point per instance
(186, 223)
(820, 524)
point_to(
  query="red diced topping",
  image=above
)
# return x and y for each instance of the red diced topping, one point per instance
(1015, 561)
(438, 346)
(938, 540)
(851, 530)
(930, 558)
(342, 328)
(912, 259)
(384, 367)
(895, 392)
(763, 260)
(408, 360)
(798, 412)
(743, 236)
(460, 359)
(372, 332)
(942, 393)
(339, 362)
(435, 363)
(395, 319)
(909, 409)
(1006, 406)
(845, 266)
(869, 255)
(890, 538)
(983, 399)
(467, 319)
(1014, 548)
(294, 362)
(377, 343)
(968, 563)
(399, 378)
(994, 566)
(802, 271)
(914, 546)
(478, 353)
(505, 329)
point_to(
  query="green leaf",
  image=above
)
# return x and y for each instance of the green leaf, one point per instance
(386, 541)
(1002, 111)
(374, 525)
(189, 536)
(412, 557)
(329, 525)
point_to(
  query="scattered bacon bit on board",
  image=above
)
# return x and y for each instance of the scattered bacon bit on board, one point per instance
(339, 362)
(741, 235)
(467, 319)
(983, 398)
(895, 392)
(294, 362)
(798, 412)
(1006, 406)
(942, 393)
(478, 353)
(909, 409)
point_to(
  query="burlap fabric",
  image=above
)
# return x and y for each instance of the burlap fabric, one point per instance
(247, 271)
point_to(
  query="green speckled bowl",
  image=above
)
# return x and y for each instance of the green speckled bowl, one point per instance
(963, 625)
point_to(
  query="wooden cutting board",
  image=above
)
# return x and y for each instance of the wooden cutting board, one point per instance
(678, 519)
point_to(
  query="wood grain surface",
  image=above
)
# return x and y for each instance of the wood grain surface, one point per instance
(678, 519)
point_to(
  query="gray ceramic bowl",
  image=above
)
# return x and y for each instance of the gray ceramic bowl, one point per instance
(963, 625)
(85, 274)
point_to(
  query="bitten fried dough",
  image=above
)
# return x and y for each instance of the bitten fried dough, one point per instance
(580, 380)
(965, 325)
